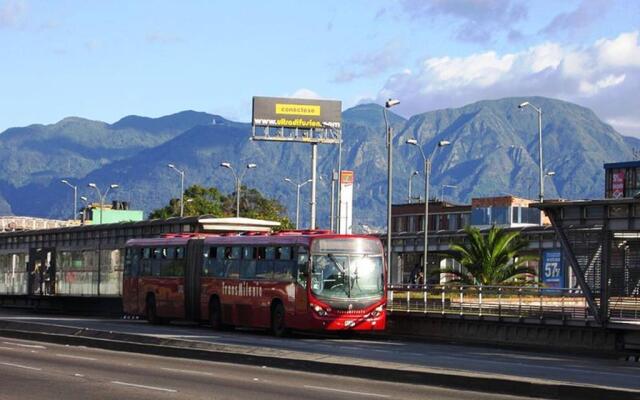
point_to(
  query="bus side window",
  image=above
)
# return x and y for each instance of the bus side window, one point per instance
(282, 269)
(135, 261)
(127, 261)
(232, 257)
(302, 266)
(146, 261)
(264, 267)
(218, 263)
(248, 264)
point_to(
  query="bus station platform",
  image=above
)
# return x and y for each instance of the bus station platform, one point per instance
(476, 368)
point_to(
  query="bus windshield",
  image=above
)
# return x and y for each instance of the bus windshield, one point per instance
(349, 271)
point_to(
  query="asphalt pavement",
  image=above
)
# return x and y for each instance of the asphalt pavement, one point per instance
(37, 370)
(483, 359)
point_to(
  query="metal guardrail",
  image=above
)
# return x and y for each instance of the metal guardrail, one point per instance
(490, 301)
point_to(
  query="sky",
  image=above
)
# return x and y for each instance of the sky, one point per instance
(104, 60)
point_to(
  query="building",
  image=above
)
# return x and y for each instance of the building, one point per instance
(117, 211)
(621, 179)
(446, 221)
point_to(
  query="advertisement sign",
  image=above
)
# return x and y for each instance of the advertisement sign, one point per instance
(346, 202)
(282, 112)
(552, 270)
(617, 185)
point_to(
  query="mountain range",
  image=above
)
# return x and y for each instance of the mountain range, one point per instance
(493, 151)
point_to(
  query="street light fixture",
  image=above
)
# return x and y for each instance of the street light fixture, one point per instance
(298, 186)
(414, 173)
(539, 111)
(388, 104)
(238, 179)
(102, 196)
(75, 197)
(427, 173)
(173, 167)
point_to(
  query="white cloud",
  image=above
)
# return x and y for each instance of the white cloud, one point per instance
(620, 52)
(578, 20)
(304, 93)
(364, 65)
(11, 13)
(604, 76)
(472, 20)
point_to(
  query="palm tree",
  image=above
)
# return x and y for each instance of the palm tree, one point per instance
(493, 259)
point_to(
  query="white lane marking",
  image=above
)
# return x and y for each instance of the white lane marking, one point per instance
(79, 375)
(77, 357)
(144, 387)
(6, 348)
(346, 391)
(188, 371)
(30, 346)
(21, 366)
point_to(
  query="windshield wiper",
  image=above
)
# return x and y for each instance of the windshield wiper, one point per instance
(335, 262)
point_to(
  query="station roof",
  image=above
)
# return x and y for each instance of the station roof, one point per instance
(237, 225)
(625, 164)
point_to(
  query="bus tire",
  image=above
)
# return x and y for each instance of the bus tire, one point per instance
(152, 311)
(278, 326)
(215, 314)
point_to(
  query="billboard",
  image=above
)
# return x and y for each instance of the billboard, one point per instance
(346, 203)
(280, 112)
(552, 270)
(617, 185)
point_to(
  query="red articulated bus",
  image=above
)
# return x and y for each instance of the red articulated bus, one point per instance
(302, 280)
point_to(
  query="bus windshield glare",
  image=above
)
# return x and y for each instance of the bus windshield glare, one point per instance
(351, 270)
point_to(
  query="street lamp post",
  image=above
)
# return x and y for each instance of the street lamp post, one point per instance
(414, 173)
(298, 186)
(388, 104)
(75, 197)
(86, 207)
(101, 196)
(539, 111)
(173, 167)
(238, 182)
(442, 191)
(427, 173)
(338, 133)
(334, 179)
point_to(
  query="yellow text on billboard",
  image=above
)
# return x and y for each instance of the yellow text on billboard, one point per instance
(297, 109)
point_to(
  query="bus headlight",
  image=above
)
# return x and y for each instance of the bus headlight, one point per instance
(376, 313)
(319, 310)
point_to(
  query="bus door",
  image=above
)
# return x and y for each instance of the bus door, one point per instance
(130, 281)
(192, 272)
(302, 275)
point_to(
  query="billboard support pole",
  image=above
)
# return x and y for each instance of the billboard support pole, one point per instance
(314, 159)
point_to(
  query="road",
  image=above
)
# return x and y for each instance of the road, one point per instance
(33, 370)
(474, 359)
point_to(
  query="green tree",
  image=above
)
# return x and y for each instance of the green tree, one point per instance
(492, 259)
(199, 200)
